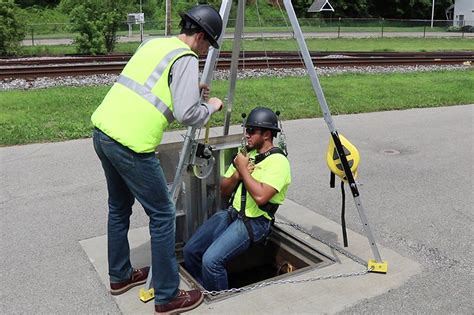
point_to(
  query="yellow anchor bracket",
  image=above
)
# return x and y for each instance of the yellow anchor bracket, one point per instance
(379, 267)
(146, 295)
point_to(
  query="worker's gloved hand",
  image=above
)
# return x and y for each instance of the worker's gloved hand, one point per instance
(216, 103)
(204, 88)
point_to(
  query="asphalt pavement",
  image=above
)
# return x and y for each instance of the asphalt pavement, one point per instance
(417, 187)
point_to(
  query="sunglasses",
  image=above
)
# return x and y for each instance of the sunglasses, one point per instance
(250, 131)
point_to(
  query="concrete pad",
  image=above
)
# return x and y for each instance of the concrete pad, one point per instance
(324, 296)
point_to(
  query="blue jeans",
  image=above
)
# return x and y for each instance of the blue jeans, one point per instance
(216, 242)
(138, 176)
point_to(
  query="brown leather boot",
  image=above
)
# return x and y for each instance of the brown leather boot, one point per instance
(138, 277)
(185, 301)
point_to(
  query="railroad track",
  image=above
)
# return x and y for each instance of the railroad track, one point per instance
(113, 64)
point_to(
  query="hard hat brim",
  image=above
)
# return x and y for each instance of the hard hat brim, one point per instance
(263, 126)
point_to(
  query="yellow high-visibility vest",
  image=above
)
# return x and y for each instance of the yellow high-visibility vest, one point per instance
(139, 106)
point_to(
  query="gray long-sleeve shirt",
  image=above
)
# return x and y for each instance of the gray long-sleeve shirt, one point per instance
(186, 95)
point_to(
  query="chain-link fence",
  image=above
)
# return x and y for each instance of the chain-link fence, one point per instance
(52, 33)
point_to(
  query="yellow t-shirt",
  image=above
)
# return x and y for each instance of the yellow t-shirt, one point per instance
(274, 171)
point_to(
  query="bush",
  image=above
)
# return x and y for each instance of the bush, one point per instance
(453, 28)
(90, 39)
(97, 23)
(464, 29)
(12, 31)
(467, 29)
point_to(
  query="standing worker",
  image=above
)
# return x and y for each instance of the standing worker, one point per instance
(160, 83)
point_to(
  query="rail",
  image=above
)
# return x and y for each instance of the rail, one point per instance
(30, 68)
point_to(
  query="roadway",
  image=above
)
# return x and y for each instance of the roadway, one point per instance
(136, 38)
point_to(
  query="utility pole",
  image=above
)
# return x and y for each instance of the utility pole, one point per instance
(141, 23)
(168, 18)
(432, 13)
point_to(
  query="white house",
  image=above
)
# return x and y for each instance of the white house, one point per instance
(463, 12)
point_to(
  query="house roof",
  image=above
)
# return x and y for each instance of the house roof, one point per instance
(320, 5)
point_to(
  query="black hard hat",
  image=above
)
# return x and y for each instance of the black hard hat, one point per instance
(207, 18)
(262, 117)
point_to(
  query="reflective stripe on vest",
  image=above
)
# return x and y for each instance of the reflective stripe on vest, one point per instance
(148, 95)
(145, 90)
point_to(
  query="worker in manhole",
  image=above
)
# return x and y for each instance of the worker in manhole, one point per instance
(257, 183)
(160, 83)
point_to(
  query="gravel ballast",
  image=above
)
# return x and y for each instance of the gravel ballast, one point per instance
(109, 79)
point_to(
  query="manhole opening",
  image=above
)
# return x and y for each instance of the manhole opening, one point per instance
(283, 256)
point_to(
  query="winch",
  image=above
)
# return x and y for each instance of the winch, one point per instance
(202, 161)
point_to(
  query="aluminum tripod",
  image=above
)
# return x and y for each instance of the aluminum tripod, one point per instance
(188, 150)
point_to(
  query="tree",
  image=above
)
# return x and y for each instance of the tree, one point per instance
(39, 3)
(12, 31)
(389, 9)
(85, 20)
(97, 23)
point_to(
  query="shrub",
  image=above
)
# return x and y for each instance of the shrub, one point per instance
(467, 29)
(97, 23)
(90, 39)
(453, 28)
(12, 31)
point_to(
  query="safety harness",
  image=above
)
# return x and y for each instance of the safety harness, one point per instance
(269, 208)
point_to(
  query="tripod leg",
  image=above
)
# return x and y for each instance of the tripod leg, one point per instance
(328, 119)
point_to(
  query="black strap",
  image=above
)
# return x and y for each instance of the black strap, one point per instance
(332, 180)
(231, 216)
(343, 215)
(243, 198)
(343, 210)
(345, 165)
(350, 178)
(262, 156)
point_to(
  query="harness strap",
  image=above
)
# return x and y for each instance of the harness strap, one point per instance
(343, 207)
(269, 208)
(245, 220)
(262, 156)
(343, 214)
(248, 226)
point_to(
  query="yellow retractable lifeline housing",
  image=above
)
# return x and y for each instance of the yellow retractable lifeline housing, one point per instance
(352, 156)
(335, 165)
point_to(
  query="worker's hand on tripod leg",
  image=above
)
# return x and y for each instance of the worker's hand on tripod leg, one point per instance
(204, 88)
(216, 103)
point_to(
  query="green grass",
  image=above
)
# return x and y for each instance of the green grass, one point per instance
(323, 44)
(63, 113)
